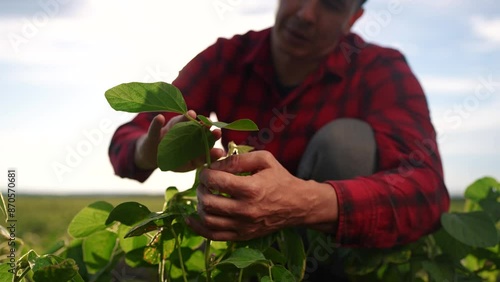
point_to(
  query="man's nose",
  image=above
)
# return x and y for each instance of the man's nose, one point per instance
(308, 10)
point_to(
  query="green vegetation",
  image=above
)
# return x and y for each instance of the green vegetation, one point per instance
(44, 220)
(466, 248)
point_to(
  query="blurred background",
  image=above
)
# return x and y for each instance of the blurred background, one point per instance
(58, 57)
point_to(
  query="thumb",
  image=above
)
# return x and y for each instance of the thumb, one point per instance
(154, 130)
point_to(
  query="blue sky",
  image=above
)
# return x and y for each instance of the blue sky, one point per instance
(58, 57)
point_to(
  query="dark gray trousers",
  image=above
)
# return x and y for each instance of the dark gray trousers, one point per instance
(342, 149)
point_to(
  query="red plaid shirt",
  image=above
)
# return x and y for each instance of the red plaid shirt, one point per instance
(235, 78)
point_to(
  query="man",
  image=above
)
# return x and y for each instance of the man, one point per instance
(345, 145)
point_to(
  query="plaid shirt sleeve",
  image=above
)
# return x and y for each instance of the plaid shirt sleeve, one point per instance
(122, 147)
(405, 198)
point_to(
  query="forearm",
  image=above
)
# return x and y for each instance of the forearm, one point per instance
(389, 208)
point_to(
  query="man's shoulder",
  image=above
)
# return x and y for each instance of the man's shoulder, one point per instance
(241, 49)
(245, 39)
(354, 46)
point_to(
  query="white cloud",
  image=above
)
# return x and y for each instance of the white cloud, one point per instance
(487, 30)
(467, 116)
(448, 85)
(114, 40)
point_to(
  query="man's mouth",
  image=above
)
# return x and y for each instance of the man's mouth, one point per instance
(296, 35)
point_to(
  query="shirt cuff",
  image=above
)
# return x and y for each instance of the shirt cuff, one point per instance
(356, 213)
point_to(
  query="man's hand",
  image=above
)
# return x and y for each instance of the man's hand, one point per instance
(146, 149)
(266, 201)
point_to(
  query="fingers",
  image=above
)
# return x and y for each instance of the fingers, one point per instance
(220, 176)
(215, 154)
(217, 133)
(173, 121)
(209, 203)
(154, 131)
(202, 230)
(234, 185)
(249, 162)
(192, 114)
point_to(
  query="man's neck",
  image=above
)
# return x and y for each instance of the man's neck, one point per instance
(292, 71)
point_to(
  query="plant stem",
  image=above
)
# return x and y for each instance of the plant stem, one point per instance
(181, 260)
(240, 277)
(208, 241)
(207, 259)
(161, 270)
(227, 250)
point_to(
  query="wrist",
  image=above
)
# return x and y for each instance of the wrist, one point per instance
(322, 213)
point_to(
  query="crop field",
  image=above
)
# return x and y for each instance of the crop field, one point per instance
(43, 220)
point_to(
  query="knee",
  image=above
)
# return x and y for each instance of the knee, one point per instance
(345, 134)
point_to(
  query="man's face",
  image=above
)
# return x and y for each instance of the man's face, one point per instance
(308, 29)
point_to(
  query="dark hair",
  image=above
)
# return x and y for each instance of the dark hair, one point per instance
(362, 2)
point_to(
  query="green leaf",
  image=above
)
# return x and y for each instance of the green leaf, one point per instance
(131, 243)
(475, 229)
(363, 261)
(451, 246)
(480, 188)
(398, 257)
(260, 243)
(182, 143)
(281, 274)
(193, 240)
(170, 193)
(153, 222)
(205, 120)
(491, 204)
(36, 262)
(294, 251)
(439, 271)
(98, 250)
(135, 258)
(138, 97)
(243, 257)
(75, 251)
(65, 270)
(275, 256)
(152, 253)
(7, 272)
(196, 262)
(266, 279)
(128, 213)
(241, 124)
(90, 219)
